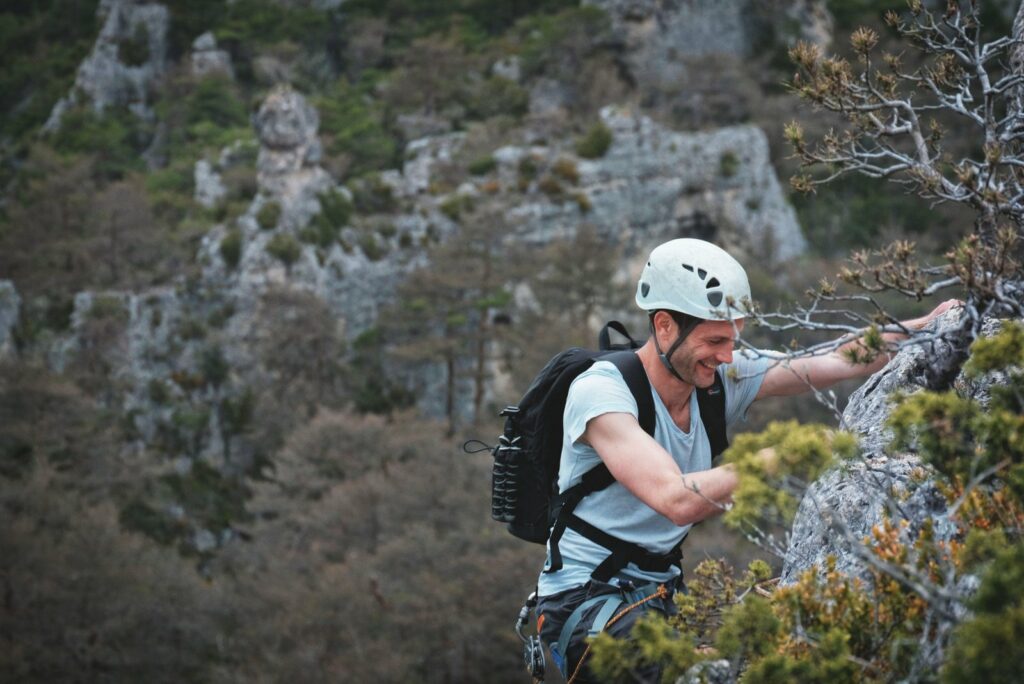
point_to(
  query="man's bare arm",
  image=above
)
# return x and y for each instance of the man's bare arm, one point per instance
(649, 473)
(799, 375)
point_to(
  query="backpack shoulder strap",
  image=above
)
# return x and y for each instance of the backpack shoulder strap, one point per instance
(633, 373)
(711, 401)
(599, 477)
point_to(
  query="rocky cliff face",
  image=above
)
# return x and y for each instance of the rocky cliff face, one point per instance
(652, 184)
(129, 56)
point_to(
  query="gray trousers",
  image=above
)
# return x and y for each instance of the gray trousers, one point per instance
(557, 609)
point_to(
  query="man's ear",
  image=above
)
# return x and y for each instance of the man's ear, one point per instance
(664, 323)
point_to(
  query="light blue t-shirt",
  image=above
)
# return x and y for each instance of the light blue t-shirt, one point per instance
(601, 389)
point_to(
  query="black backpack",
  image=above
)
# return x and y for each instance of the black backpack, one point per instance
(524, 482)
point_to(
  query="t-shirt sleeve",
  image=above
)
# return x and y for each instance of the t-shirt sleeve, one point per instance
(598, 390)
(742, 379)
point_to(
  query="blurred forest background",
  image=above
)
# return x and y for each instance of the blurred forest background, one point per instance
(297, 510)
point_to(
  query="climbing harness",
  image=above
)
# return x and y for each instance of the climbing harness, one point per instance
(605, 618)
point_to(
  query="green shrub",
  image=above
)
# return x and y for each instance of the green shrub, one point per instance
(454, 206)
(498, 96)
(526, 171)
(595, 143)
(566, 168)
(482, 166)
(210, 498)
(138, 516)
(284, 248)
(214, 366)
(115, 139)
(42, 44)
(371, 195)
(372, 390)
(372, 247)
(554, 44)
(268, 215)
(550, 186)
(158, 392)
(178, 178)
(231, 248)
(192, 329)
(351, 124)
(335, 214)
(984, 647)
(219, 317)
(728, 164)
(527, 168)
(216, 100)
(202, 115)
(134, 51)
(108, 308)
(15, 456)
(248, 24)
(335, 207)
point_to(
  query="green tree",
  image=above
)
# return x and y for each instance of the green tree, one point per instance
(448, 312)
(432, 75)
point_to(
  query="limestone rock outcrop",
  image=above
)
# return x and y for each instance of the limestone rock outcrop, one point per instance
(207, 58)
(655, 184)
(129, 55)
(651, 184)
(209, 187)
(288, 169)
(660, 36)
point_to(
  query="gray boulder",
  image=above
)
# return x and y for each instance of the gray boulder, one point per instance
(208, 59)
(839, 510)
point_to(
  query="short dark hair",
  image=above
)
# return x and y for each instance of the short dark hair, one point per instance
(685, 322)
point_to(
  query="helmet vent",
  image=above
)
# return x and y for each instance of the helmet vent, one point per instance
(702, 273)
(688, 267)
(644, 289)
(714, 298)
(713, 283)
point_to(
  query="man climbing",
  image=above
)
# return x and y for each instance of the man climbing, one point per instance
(616, 554)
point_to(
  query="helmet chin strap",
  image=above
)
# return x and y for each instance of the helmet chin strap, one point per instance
(684, 331)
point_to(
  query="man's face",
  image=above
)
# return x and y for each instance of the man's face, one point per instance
(710, 344)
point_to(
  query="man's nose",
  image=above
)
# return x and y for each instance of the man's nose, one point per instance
(726, 356)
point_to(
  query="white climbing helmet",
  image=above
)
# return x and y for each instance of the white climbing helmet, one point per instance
(693, 277)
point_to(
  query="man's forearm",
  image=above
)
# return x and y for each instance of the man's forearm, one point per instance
(702, 494)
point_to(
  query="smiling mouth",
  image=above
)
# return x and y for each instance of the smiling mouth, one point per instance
(709, 367)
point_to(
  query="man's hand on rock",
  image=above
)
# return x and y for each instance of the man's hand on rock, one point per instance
(923, 321)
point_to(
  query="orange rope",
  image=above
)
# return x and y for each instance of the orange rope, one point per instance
(661, 592)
